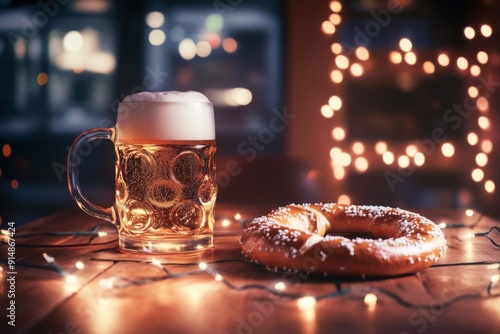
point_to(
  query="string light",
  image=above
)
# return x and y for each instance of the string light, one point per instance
(305, 303)
(405, 44)
(370, 300)
(486, 30)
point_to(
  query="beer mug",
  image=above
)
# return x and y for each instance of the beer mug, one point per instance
(164, 173)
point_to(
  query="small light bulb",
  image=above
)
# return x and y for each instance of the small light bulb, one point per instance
(79, 265)
(203, 266)
(469, 212)
(157, 263)
(237, 216)
(306, 303)
(442, 225)
(218, 277)
(494, 266)
(102, 234)
(280, 286)
(226, 222)
(495, 278)
(469, 236)
(70, 279)
(370, 299)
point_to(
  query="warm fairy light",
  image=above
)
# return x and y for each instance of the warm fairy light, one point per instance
(472, 138)
(482, 103)
(338, 134)
(342, 62)
(428, 67)
(6, 150)
(218, 277)
(395, 57)
(203, 266)
(370, 300)
(403, 161)
(419, 159)
(102, 234)
(482, 57)
(477, 175)
(237, 216)
(411, 150)
(229, 45)
(483, 122)
(335, 102)
(411, 58)
(157, 263)
(226, 222)
(448, 150)
(280, 286)
(489, 186)
(380, 147)
(79, 265)
(473, 91)
(344, 199)
(490, 266)
(469, 212)
(442, 225)
(481, 159)
(335, 18)
(73, 41)
(475, 70)
(495, 278)
(469, 33)
(486, 30)
(358, 148)
(157, 37)
(327, 111)
(336, 76)
(468, 236)
(361, 164)
(338, 172)
(362, 53)
(487, 146)
(345, 159)
(70, 279)
(405, 44)
(462, 63)
(443, 59)
(335, 153)
(328, 28)
(306, 303)
(335, 6)
(336, 48)
(356, 70)
(388, 157)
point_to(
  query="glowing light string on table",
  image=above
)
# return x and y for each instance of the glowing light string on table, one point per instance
(353, 62)
(369, 295)
(303, 301)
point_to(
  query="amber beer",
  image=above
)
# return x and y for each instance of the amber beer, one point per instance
(165, 173)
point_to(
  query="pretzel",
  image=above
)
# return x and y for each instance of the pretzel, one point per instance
(307, 238)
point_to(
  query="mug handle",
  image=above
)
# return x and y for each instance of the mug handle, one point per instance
(74, 159)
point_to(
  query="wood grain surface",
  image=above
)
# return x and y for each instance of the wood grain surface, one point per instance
(450, 297)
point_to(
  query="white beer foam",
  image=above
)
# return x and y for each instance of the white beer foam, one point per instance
(168, 115)
(169, 96)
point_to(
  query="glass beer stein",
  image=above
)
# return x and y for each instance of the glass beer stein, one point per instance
(165, 172)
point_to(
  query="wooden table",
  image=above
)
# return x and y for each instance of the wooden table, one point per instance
(445, 298)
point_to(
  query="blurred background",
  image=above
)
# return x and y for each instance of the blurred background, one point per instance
(361, 101)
